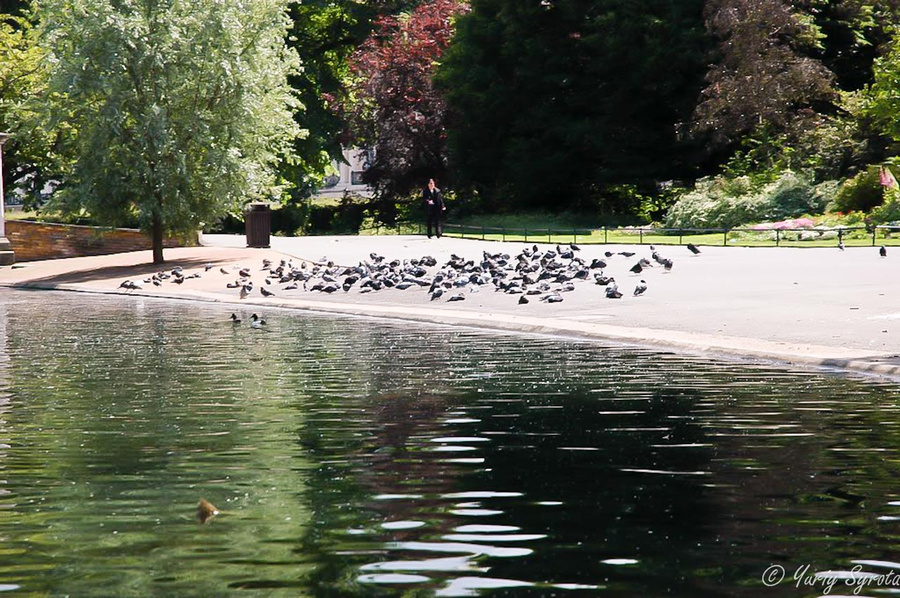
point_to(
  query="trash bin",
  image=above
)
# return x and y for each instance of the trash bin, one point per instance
(258, 224)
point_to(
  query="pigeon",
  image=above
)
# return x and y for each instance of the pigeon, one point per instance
(693, 248)
(841, 245)
(882, 251)
(523, 300)
(436, 294)
(245, 290)
(459, 297)
(641, 288)
(612, 291)
(637, 268)
(266, 292)
(552, 298)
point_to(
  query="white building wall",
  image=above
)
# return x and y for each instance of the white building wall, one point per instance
(349, 174)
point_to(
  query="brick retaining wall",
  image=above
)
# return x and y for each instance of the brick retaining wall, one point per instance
(42, 241)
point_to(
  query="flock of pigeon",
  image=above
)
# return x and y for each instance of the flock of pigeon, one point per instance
(533, 274)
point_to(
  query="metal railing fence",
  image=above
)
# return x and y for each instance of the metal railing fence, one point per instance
(743, 236)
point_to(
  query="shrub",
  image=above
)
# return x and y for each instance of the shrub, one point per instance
(723, 202)
(889, 211)
(862, 192)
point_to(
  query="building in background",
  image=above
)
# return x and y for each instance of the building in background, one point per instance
(348, 177)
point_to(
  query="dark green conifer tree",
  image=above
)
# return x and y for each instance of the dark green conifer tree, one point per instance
(557, 102)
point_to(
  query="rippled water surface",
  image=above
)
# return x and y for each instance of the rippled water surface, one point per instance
(353, 457)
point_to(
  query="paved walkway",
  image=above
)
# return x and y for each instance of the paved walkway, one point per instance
(820, 307)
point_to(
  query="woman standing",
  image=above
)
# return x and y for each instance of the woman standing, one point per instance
(434, 207)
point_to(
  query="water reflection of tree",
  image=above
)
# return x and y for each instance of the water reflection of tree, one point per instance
(388, 454)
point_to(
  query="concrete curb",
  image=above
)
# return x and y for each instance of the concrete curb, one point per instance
(785, 353)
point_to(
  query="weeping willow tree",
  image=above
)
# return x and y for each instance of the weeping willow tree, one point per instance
(170, 111)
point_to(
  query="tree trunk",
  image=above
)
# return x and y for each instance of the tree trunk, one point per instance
(156, 233)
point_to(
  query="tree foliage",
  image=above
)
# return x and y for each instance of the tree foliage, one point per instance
(395, 107)
(853, 34)
(324, 33)
(23, 75)
(880, 102)
(763, 78)
(556, 102)
(170, 110)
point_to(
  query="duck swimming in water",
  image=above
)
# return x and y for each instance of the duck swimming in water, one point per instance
(235, 320)
(206, 510)
(256, 321)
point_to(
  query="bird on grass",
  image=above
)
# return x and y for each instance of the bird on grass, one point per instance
(693, 248)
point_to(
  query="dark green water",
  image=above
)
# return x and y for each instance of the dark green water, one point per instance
(359, 458)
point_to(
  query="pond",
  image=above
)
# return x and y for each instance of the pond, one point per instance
(352, 457)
